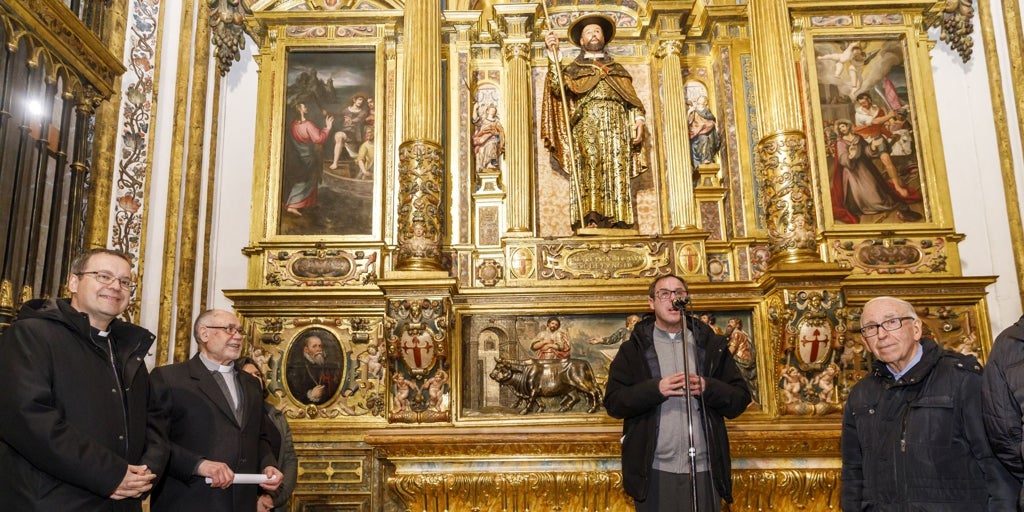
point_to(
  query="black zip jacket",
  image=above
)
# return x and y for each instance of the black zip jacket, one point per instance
(632, 395)
(1002, 399)
(69, 426)
(918, 443)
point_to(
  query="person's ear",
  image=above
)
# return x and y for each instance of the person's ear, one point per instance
(73, 280)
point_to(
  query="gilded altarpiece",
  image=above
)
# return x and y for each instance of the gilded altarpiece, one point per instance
(417, 401)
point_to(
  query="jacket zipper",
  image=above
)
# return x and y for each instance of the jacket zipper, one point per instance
(120, 392)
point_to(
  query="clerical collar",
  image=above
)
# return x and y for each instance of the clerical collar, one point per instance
(593, 55)
(216, 367)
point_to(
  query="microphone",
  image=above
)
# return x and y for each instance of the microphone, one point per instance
(680, 303)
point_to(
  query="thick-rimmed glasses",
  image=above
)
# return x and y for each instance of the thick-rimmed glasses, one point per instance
(670, 294)
(106, 279)
(230, 329)
(889, 325)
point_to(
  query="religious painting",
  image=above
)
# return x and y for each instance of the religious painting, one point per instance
(314, 370)
(549, 364)
(738, 326)
(328, 174)
(873, 166)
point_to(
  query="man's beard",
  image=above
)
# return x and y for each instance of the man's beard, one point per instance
(318, 358)
(593, 45)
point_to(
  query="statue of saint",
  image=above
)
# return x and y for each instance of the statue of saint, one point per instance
(600, 145)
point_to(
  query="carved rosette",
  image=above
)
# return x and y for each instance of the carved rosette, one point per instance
(781, 168)
(489, 272)
(421, 206)
(886, 256)
(418, 347)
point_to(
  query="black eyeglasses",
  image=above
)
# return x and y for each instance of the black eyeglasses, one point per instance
(105, 279)
(669, 294)
(230, 329)
(889, 325)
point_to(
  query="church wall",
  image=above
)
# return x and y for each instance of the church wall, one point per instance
(966, 122)
(972, 164)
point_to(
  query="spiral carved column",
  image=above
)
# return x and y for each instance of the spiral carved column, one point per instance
(781, 162)
(781, 168)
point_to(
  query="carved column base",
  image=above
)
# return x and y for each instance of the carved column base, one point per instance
(421, 205)
(783, 176)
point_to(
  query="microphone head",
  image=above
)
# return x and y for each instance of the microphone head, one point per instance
(680, 303)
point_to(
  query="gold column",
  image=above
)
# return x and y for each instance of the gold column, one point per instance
(678, 171)
(177, 282)
(781, 162)
(421, 198)
(97, 225)
(515, 24)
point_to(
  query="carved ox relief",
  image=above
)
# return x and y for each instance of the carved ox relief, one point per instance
(534, 379)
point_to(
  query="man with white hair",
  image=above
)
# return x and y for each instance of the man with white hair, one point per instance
(913, 434)
(217, 427)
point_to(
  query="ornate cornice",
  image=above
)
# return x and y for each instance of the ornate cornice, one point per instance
(59, 36)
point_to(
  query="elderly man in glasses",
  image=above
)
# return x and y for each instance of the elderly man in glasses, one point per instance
(217, 426)
(913, 436)
(76, 431)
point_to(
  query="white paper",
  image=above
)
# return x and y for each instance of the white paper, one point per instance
(245, 478)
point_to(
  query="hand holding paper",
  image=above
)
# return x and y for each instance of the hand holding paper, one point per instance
(248, 478)
(274, 478)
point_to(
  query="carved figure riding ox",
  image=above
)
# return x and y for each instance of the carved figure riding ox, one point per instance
(533, 379)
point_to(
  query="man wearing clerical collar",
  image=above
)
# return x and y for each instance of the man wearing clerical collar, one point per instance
(216, 424)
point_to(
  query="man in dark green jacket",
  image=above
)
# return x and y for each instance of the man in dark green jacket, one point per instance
(675, 373)
(76, 431)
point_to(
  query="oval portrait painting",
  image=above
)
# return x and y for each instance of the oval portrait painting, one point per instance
(314, 366)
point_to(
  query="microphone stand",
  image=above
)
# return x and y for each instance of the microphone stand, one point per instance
(680, 304)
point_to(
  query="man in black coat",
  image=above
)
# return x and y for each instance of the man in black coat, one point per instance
(1002, 402)
(76, 430)
(913, 437)
(674, 373)
(216, 425)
